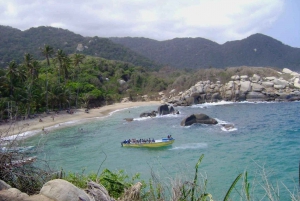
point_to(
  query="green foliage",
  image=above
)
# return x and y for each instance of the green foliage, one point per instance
(114, 182)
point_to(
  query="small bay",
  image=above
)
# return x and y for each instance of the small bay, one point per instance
(264, 135)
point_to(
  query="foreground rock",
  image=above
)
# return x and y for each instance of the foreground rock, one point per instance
(198, 118)
(62, 190)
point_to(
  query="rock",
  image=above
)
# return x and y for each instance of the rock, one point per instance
(257, 87)
(244, 77)
(267, 84)
(128, 119)
(278, 86)
(13, 194)
(245, 86)
(297, 83)
(4, 185)
(163, 109)
(38, 197)
(80, 47)
(235, 77)
(286, 70)
(121, 82)
(197, 118)
(255, 96)
(98, 192)
(172, 91)
(61, 190)
(216, 97)
(148, 114)
(270, 78)
(255, 78)
(228, 126)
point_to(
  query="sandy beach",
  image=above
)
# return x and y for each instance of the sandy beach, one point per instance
(43, 122)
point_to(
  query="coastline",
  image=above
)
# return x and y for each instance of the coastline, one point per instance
(26, 128)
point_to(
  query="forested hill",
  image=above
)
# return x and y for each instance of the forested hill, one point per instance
(14, 43)
(256, 50)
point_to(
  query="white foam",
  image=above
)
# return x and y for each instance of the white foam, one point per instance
(204, 105)
(191, 146)
(228, 130)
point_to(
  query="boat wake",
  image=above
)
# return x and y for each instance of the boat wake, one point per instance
(191, 146)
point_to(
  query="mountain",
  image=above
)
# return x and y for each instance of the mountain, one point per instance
(14, 43)
(255, 50)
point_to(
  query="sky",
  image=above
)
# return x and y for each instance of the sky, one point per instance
(216, 20)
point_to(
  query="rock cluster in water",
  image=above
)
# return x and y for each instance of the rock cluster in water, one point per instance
(240, 88)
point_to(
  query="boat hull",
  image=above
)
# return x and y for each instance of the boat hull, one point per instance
(149, 145)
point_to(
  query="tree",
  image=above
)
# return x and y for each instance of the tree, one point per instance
(11, 74)
(47, 51)
(77, 59)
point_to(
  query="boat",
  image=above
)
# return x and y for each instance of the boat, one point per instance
(148, 143)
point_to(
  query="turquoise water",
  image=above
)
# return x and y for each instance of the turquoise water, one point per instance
(265, 135)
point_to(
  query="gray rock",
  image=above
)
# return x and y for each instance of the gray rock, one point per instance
(148, 114)
(98, 192)
(245, 86)
(163, 109)
(4, 185)
(198, 118)
(257, 87)
(128, 119)
(267, 84)
(61, 190)
(256, 96)
(255, 78)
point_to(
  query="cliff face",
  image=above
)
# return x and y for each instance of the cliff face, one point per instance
(240, 88)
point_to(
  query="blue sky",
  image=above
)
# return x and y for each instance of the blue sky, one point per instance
(216, 20)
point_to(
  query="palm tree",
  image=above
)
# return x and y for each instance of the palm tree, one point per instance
(47, 51)
(77, 59)
(60, 56)
(11, 74)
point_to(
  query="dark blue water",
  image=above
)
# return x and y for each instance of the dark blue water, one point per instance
(266, 139)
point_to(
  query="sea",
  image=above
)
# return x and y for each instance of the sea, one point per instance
(264, 142)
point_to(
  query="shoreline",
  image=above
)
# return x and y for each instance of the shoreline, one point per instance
(26, 128)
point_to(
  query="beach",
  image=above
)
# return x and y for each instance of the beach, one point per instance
(46, 122)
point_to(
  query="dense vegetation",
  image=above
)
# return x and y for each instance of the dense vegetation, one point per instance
(64, 81)
(15, 43)
(256, 50)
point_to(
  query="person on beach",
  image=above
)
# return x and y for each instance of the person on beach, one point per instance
(52, 116)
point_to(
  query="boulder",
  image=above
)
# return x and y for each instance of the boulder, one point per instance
(286, 70)
(297, 83)
(257, 87)
(13, 194)
(245, 86)
(61, 190)
(148, 114)
(256, 96)
(228, 126)
(198, 118)
(244, 77)
(267, 84)
(163, 109)
(4, 185)
(128, 119)
(216, 97)
(255, 78)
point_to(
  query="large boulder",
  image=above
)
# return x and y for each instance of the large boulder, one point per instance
(257, 87)
(245, 86)
(61, 190)
(256, 96)
(163, 109)
(198, 118)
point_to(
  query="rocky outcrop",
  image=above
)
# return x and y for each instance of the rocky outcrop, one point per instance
(198, 118)
(241, 88)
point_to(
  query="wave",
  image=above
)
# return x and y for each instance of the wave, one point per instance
(191, 146)
(205, 105)
(229, 128)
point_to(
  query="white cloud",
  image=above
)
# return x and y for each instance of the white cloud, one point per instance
(218, 20)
